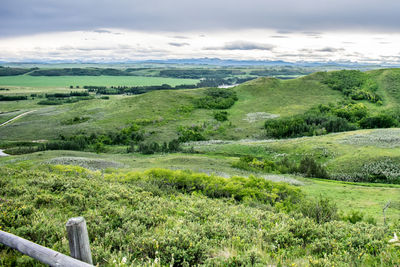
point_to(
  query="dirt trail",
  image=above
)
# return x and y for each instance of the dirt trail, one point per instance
(2, 154)
(17, 117)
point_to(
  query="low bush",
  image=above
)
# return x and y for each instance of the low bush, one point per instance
(308, 166)
(154, 147)
(354, 216)
(217, 98)
(191, 133)
(321, 210)
(221, 116)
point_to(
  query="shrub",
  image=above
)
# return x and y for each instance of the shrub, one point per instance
(310, 168)
(321, 210)
(217, 98)
(190, 133)
(354, 216)
(221, 116)
(379, 121)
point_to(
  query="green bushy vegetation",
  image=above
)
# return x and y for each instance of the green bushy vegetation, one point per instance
(13, 97)
(323, 119)
(221, 115)
(154, 147)
(353, 83)
(307, 166)
(180, 218)
(191, 133)
(79, 72)
(76, 120)
(63, 100)
(217, 98)
(7, 71)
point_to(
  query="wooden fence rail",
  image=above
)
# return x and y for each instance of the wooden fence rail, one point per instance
(78, 240)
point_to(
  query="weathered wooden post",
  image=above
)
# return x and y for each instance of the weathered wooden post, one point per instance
(42, 254)
(384, 214)
(78, 239)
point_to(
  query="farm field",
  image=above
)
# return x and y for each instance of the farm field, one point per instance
(66, 81)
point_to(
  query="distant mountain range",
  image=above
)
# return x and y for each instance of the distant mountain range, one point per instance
(217, 62)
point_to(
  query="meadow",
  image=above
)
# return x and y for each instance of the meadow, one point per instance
(66, 81)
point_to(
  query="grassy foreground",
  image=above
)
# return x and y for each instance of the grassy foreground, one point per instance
(161, 217)
(366, 198)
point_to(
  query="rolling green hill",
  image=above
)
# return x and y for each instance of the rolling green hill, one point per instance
(258, 100)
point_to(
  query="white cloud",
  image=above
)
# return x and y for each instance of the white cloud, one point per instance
(252, 45)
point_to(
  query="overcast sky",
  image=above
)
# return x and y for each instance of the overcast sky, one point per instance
(120, 30)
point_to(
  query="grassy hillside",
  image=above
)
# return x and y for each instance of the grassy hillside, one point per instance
(266, 98)
(256, 98)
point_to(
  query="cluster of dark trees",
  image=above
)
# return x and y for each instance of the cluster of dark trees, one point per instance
(13, 97)
(80, 72)
(355, 84)
(131, 136)
(154, 147)
(64, 98)
(70, 94)
(7, 71)
(199, 73)
(345, 116)
(217, 98)
(135, 90)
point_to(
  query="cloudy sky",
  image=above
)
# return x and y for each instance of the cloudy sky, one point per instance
(365, 31)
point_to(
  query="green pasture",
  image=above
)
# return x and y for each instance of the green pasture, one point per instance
(66, 81)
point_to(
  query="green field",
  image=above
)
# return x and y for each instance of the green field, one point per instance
(66, 81)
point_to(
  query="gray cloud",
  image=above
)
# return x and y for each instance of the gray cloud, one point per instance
(279, 36)
(322, 50)
(330, 49)
(313, 34)
(242, 45)
(19, 17)
(102, 31)
(178, 44)
(94, 48)
(180, 37)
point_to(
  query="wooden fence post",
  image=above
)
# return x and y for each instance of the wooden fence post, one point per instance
(78, 239)
(42, 254)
